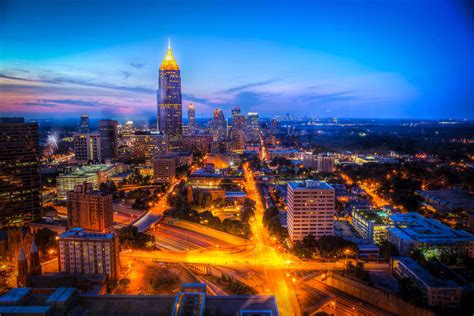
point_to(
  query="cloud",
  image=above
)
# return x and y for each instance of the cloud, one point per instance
(59, 102)
(251, 85)
(137, 65)
(60, 80)
(126, 74)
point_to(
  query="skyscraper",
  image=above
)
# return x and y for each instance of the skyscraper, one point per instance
(219, 125)
(253, 129)
(108, 139)
(84, 124)
(170, 101)
(90, 209)
(191, 119)
(238, 129)
(20, 195)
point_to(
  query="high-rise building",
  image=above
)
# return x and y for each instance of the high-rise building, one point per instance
(108, 139)
(164, 168)
(127, 130)
(191, 119)
(238, 131)
(311, 206)
(84, 252)
(219, 125)
(90, 209)
(325, 163)
(20, 186)
(84, 124)
(253, 129)
(170, 102)
(147, 144)
(87, 147)
(275, 126)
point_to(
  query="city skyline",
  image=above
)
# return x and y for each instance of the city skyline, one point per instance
(320, 60)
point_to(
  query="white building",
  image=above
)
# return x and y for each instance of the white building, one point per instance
(325, 163)
(311, 206)
(84, 252)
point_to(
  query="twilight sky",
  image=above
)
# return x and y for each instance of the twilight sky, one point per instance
(401, 58)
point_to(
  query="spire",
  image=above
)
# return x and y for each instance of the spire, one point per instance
(169, 63)
(34, 248)
(21, 255)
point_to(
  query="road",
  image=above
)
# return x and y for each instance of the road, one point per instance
(267, 255)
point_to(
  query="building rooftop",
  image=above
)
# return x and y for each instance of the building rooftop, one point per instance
(309, 185)
(373, 215)
(413, 226)
(78, 232)
(68, 301)
(428, 278)
(88, 170)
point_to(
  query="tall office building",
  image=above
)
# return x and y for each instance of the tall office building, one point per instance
(253, 129)
(311, 206)
(237, 133)
(108, 139)
(84, 252)
(191, 119)
(84, 124)
(87, 147)
(20, 187)
(170, 102)
(90, 209)
(219, 125)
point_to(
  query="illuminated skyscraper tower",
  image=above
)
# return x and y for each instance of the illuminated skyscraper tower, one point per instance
(170, 102)
(191, 119)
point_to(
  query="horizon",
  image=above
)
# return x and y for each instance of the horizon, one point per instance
(360, 60)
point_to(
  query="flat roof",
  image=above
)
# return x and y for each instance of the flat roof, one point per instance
(425, 275)
(309, 185)
(14, 295)
(78, 232)
(87, 170)
(415, 227)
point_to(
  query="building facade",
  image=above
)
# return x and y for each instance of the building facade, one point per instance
(20, 185)
(108, 132)
(84, 124)
(90, 209)
(164, 169)
(371, 224)
(219, 125)
(311, 206)
(147, 144)
(411, 232)
(253, 128)
(87, 147)
(191, 119)
(84, 252)
(170, 102)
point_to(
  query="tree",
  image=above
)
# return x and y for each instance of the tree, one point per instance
(45, 239)
(129, 236)
(335, 246)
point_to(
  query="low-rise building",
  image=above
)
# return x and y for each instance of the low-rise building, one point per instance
(411, 231)
(437, 289)
(447, 200)
(371, 224)
(192, 299)
(95, 174)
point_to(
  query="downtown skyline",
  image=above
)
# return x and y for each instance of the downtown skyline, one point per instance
(319, 60)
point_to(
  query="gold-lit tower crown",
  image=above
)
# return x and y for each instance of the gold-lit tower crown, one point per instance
(169, 63)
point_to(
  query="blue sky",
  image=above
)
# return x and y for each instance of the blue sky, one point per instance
(403, 59)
